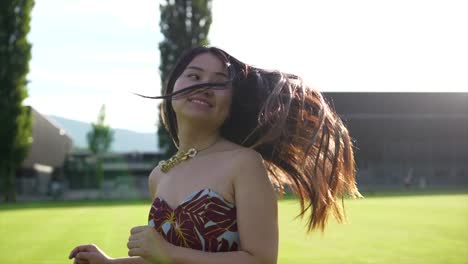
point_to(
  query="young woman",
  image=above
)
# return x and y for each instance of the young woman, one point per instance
(242, 133)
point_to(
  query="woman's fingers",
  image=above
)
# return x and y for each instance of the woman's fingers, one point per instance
(132, 244)
(81, 248)
(134, 252)
(137, 230)
(80, 261)
(74, 252)
(135, 236)
(84, 255)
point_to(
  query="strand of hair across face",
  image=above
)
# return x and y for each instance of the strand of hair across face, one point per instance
(192, 88)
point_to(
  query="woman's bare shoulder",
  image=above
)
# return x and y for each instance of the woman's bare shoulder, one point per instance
(248, 156)
(238, 159)
(238, 150)
(244, 160)
(240, 154)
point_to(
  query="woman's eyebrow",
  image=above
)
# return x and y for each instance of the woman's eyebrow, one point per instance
(201, 69)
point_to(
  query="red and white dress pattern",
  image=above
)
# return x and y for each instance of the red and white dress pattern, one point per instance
(203, 221)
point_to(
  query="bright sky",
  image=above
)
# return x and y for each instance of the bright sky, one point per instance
(87, 53)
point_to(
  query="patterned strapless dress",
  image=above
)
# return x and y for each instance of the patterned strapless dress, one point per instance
(202, 221)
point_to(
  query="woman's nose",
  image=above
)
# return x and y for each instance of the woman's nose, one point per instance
(207, 91)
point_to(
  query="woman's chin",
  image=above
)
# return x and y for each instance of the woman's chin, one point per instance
(194, 115)
(198, 117)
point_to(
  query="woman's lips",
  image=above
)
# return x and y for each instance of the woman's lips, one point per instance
(200, 102)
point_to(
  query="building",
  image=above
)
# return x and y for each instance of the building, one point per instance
(125, 175)
(46, 157)
(51, 161)
(420, 139)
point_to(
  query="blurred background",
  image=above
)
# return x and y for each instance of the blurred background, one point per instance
(73, 134)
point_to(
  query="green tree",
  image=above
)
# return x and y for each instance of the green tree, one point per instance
(15, 119)
(185, 24)
(99, 142)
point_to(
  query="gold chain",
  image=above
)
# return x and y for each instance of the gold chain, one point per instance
(166, 165)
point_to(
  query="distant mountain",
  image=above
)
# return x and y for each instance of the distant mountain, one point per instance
(124, 140)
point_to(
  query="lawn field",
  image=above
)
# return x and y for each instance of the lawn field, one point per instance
(391, 229)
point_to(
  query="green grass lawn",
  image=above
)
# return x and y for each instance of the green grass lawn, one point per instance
(382, 229)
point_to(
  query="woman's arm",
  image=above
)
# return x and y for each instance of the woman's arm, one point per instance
(130, 260)
(92, 254)
(153, 182)
(183, 255)
(257, 218)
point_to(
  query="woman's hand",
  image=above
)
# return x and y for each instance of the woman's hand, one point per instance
(147, 243)
(89, 254)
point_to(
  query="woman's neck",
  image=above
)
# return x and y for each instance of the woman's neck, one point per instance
(198, 137)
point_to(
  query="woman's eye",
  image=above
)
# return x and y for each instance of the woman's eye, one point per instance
(193, 76)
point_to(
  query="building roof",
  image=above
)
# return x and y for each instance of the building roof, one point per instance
(50, 143)
(381, 105)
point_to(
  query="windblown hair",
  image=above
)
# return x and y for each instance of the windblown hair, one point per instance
(303, 142)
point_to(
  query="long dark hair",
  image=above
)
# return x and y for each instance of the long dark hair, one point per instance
(302, 140)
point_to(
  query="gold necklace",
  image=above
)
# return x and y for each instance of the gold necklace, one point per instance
(166, 165)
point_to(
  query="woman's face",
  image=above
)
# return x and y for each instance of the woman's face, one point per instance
(210, 106)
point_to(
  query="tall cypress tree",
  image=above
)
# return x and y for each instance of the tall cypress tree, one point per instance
(185, 24)
(15, 119)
